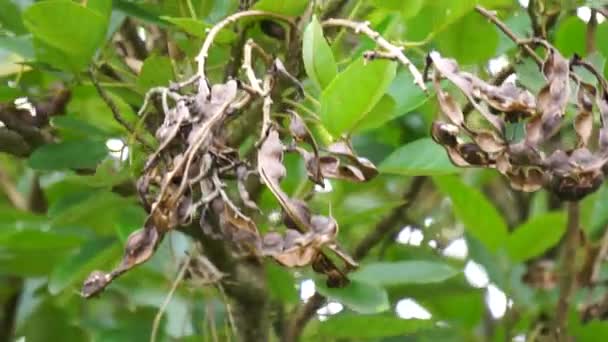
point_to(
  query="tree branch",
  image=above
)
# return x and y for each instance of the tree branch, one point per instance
(303, 314)
(116, 113)
(591, 32)
(568, 270)
(392, 51)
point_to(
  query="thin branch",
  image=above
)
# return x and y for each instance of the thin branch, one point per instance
(303, 314)
(534, 20)
(115, 112)
(568, 269)
(385, 226)
(10, 190)
(591, 33)
(391, 50)
(601, 255)
(201, 58)
(168, 297)
(506, 30)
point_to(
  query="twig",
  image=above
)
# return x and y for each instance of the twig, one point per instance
(254, 82)
(11, 192)
(599, 258)
(115, 112)
(568, 269)
(201, 58)
(536, 25)
(523, 43)
(303, 314)
(391, 50)
(387, 224)
(163, 307)
(591, 32)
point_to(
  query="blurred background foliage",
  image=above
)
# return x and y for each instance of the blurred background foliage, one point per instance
(462, 257)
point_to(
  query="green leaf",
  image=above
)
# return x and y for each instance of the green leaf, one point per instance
(410, 8)
(128, 219)
(407, 8)
(13, 52)
(156, 71)
(67, 27)
(91, 255)
(40, 238)
(599, 216)
(535, 236)
(140, 11)
(318, 59)
(103, 7)
(530, 76)
(73, 128)
(437, 16)
(197, 28)
(281, 283)
(481, 40)
(601, 39)
(10, 17)
(422, 157)
(570, 36)
(51, 322)
(382, 112)
(358, 296)
(407, 95)
(370, 326)
(75, 154)
(291, 8)
(479, 216)
(354, 93)
(404, 272)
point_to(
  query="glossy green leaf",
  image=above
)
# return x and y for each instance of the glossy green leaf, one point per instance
(435, 17)
(92, 255)
(290, 8)
(76, 154)
(601, 39)
(10, 17)
(197, 28)
(103, 7)
(382, 112)
(52, 322)
(407, 8)
(419, 158)
(535, 236)
(461, 41)
(39, 238)
(599, 216)
(570, 37)
(358, 296)
(530, 76)
(407, 95)
(156, 71)
(318, 58)
(370, 326)
(67, 27)
(354, 93)
(281, 283)
(480, 218)
(404, 272)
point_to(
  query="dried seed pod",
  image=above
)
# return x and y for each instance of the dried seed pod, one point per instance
(569, 174)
